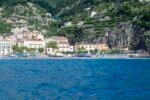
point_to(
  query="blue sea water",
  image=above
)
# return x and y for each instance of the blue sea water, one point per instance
(75, 79)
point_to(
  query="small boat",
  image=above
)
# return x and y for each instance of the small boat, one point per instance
(56, 55)
(138, 56)
(83, 55)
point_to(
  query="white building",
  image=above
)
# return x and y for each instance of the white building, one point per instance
(80, 24)
(19, 30)
(5, 47)
(67, 24)
(93, 13)
(31, 44)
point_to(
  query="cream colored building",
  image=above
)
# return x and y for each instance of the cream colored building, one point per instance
(103, 46)
(62, 43)
(89, 47)
(5, 47)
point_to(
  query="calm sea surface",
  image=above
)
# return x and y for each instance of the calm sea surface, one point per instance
(76, 79)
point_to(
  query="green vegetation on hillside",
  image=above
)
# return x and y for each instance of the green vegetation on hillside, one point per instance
(127, 21)
(5, 28)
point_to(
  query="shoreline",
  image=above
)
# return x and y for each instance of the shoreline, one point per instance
(46, 58)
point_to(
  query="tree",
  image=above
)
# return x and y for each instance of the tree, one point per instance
(81, 50)
(147, 40)
(52, 45)
(95, 51)
(40, 50)
(31, 50)
(14, 2)
(17, 49)
(134, 45)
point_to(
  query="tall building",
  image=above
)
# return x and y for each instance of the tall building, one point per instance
(5, 47)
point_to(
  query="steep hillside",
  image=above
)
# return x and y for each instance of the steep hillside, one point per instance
(119, 23)
(125, 22)
(25, 15)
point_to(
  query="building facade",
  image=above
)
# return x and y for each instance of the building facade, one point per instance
(31, 44)
(91, 47)
(103, 46)
(5, 47)
(62, 44)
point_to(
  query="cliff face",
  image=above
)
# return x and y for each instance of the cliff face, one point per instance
(121, 36)
(127, 35)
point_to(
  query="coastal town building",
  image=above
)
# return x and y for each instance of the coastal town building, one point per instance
(62, 44)
(89, 47)
(19, 30)
(12, 39)
(5, 47)
(103, 46)
(93, 13)
(36, 44)
(80, 24)
(67, 24)
(24, 33)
